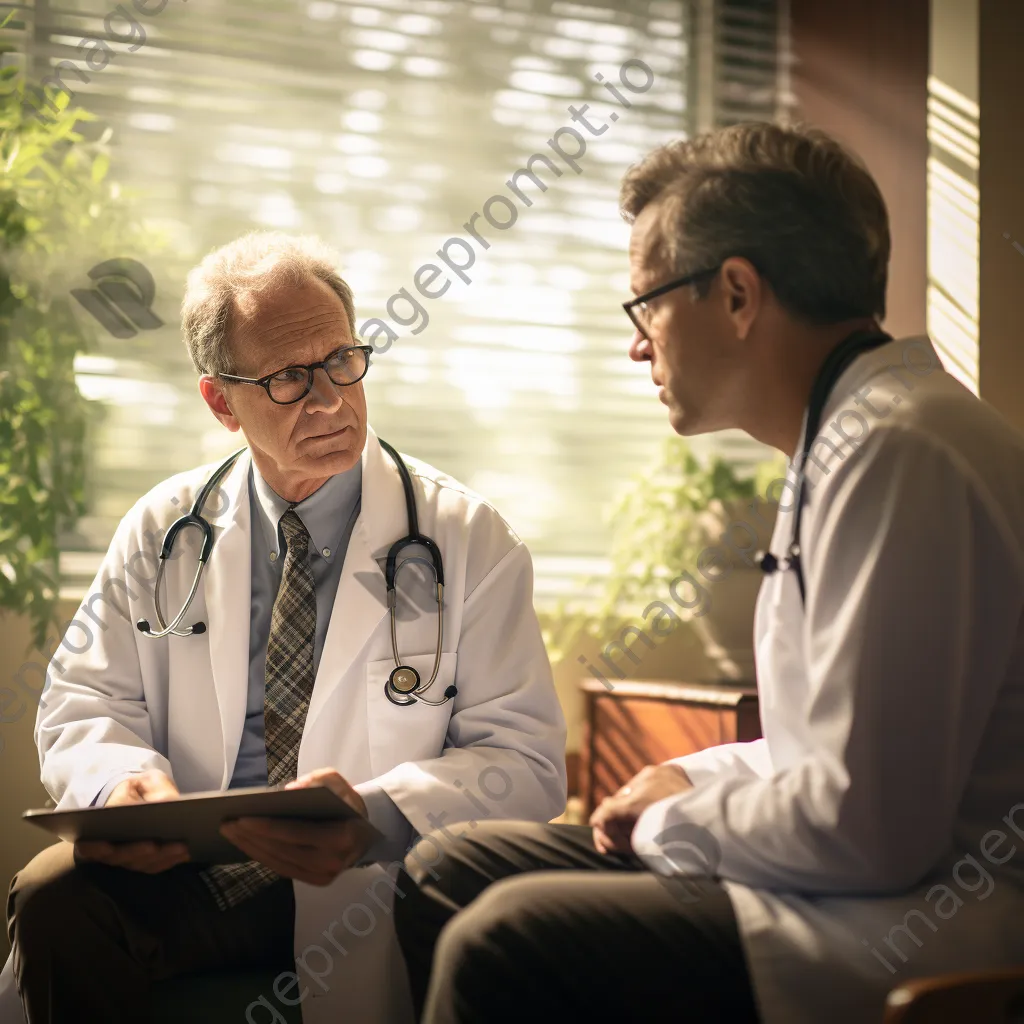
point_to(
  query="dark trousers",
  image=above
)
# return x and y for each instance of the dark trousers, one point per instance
(89, 939)
(520, 922)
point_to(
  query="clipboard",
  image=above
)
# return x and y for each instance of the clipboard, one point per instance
(195, 818)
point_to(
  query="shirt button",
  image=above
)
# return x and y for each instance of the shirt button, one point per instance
(273, 556)
(327, 552)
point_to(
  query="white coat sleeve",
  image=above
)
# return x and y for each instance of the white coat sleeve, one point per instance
(913, 601)
(751, 759)
(93, 727)
(504, 753)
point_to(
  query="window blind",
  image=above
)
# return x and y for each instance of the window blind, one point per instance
(383, 126)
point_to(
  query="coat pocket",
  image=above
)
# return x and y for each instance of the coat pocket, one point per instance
(413, 732)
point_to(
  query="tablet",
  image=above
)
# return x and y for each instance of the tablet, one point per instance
(194, 818)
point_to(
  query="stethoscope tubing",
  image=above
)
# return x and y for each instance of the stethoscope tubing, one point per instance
(194, 518)
(832, 369)
(392, 603)
(172, 628)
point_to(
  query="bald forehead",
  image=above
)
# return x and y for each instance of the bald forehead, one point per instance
(289, 321)
(283, 296)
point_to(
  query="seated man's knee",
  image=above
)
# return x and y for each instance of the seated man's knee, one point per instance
(464, 849)
(504, 913)
(430, 858)
(46, 898)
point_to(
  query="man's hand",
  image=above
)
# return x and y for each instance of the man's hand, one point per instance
(614, 818)
(309, 851)
(150, 857)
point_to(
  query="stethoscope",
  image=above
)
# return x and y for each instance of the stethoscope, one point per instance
(832, 369)
(403, 685)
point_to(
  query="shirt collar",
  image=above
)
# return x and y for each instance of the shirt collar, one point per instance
(325, 513)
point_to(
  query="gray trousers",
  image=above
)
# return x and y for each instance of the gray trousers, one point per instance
(515, 921)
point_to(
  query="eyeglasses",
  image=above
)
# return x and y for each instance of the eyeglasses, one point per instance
(345, 366)
(639, 311)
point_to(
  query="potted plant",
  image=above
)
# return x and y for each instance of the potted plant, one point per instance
(684, 515)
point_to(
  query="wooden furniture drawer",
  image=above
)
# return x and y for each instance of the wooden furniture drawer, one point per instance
(640, 723)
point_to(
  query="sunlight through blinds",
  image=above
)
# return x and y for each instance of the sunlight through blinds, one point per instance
(384, 126)
(954, 243)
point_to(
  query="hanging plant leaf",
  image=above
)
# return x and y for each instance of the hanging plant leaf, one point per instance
(52, 178)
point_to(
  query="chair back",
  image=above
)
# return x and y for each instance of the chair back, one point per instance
(989, 997)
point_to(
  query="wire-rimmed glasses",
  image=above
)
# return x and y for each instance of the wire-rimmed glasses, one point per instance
(639, 311)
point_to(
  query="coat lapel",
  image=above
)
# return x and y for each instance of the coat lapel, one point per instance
(227, 591)
(361, 600)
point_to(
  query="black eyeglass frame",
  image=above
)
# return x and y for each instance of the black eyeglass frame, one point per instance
(630, 305)
(311, 368)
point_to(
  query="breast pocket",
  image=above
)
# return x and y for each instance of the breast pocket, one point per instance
(413, 732)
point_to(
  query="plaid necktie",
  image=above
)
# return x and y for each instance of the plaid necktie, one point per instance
(289, 685)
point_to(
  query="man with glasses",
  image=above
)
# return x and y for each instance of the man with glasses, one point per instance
(870, 836)
(287, 684)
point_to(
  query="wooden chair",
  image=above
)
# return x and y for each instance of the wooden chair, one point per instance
(983, 997)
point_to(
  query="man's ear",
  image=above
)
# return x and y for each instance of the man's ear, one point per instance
(742, 292)
(213, 394)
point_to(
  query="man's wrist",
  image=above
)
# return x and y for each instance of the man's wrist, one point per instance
(107, 791)
(383, 813)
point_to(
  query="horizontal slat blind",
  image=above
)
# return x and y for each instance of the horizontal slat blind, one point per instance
(383, 126)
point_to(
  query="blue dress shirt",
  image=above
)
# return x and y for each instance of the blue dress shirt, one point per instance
(329, 515)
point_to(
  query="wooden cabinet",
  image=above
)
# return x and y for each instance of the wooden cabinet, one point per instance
(640, 723)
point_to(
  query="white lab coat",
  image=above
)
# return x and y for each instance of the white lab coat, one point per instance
(178, 704)
(892, 710)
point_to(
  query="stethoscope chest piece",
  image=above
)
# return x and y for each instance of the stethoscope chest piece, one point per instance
(772, 563)
(404, 679)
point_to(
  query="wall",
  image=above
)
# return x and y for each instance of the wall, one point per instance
(861, 73)
(1001, 187)
(976, 203)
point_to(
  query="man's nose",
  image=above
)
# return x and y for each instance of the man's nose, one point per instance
(324, 394)
(639, 348)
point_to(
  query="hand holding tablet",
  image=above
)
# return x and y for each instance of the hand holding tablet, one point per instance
(147, 856)
(154, 828)
(315, 852)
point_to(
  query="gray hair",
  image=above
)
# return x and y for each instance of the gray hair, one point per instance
(229, 277)
(804, 211)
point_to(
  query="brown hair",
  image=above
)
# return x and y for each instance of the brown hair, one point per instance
(804, 211)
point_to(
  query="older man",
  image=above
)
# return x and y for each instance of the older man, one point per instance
(286, 683)
(873, 833)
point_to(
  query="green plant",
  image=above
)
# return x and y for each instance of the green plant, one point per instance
(660, 525)
(58, 217)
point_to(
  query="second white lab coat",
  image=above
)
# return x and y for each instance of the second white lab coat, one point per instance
(178, 704)
(892, 710)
